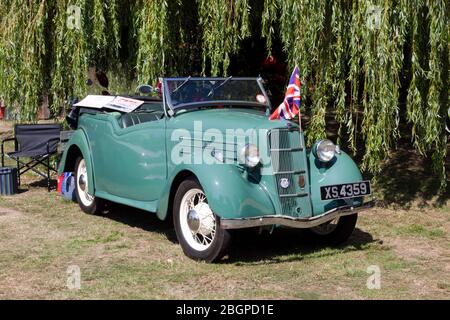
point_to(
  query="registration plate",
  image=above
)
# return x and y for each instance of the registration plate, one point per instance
(345, 191)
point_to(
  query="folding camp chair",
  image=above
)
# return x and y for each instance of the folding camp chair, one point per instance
(37, 142)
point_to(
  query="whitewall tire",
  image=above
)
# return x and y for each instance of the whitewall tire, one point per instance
(87, 202)
(197, 227)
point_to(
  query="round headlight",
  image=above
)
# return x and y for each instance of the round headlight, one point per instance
(249, 156)
(325, 150)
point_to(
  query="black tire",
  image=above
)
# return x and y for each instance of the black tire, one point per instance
(340, 234)
(219, 244)
(97, 206)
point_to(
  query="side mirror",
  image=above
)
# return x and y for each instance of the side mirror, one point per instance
(145, 89)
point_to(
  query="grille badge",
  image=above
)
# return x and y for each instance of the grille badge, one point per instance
(284, 183)
(301, 181)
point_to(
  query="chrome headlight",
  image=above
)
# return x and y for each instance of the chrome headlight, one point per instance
(325, 150)
(249, 155)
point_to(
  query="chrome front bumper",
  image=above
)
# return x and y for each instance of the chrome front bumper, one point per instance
(293, 222)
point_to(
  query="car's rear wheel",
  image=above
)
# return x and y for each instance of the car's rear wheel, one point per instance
(335, 232)
(88, 203)
(197, 227)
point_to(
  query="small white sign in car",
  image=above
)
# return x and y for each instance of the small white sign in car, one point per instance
(118, 103)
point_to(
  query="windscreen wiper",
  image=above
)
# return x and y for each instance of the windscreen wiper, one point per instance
(220, 85)
(182, 84)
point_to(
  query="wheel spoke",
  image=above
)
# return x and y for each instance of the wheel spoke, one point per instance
(210, 228)
(201, 238)
(208, 238)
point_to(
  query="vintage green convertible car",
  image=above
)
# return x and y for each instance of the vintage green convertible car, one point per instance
(205, 154)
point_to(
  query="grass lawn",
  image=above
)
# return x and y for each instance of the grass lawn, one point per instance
(131, 254)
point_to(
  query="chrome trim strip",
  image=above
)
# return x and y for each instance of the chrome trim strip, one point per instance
(287, 149)
(295, 195)
(291, 172)
(182, 138)
(293, 222)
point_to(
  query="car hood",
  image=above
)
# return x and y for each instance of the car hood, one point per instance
(223, 119)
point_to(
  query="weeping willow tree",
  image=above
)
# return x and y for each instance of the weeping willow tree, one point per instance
(352, 58)
(428, 94)
(225, 23)
(152, 29)
(22, 54)
(167, 36)
(375, 67)
(70, 55)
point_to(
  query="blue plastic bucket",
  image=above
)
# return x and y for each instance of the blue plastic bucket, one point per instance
(8, 181)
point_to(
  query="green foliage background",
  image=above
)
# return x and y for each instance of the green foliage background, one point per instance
(371, 77)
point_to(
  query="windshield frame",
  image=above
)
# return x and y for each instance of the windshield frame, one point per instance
(171, 109)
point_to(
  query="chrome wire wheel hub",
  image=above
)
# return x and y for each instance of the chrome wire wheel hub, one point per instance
(326, 228)
(85, 197)
(197, 221)
(82, 182)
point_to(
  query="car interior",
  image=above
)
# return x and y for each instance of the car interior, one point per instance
(149, 111)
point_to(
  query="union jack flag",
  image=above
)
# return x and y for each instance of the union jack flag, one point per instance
(290, 107)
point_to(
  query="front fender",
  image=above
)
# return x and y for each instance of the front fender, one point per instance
(230, 193)
(78, 143)
(342, 169)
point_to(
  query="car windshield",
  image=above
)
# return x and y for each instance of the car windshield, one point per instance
(191, 92)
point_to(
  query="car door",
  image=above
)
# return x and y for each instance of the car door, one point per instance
(131, 162)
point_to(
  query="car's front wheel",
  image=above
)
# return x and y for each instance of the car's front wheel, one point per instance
(88, 203)
(197, 227)
(335, 232)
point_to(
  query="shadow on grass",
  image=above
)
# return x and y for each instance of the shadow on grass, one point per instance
(286, 245)
(135, 218)
(407, 178)
(43, 184)
(248, 246)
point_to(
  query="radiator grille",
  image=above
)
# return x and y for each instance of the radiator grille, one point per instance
(285, 151)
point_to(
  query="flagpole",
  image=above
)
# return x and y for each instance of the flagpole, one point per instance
(300, 117)
(300, 128)
(299, 108)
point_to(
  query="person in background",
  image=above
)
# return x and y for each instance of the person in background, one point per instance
(274, 75)
(98, 81)
(2, 110)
